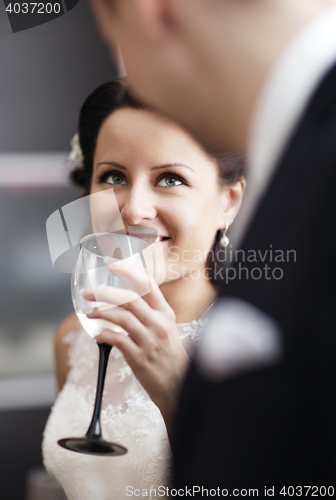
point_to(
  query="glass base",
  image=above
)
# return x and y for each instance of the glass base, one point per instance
(92, 446)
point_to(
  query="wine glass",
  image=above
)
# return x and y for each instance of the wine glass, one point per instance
(91, 271)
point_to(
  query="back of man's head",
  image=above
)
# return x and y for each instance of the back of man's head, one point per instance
(203, 62)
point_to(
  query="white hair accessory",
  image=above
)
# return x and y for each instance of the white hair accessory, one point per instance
(76, 156)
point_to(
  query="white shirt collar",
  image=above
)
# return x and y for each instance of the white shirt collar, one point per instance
(292, 81)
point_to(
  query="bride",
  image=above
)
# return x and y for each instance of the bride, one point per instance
(163, 179)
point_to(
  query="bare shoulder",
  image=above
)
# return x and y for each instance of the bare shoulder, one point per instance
(69, 324)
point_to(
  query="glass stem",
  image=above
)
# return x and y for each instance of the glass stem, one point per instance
(94, 430)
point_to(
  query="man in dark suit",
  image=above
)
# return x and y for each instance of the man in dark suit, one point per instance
(258, 404)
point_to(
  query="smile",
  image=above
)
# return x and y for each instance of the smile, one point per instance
(161, 239)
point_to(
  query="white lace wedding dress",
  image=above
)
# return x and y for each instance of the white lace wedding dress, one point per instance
(128, 417)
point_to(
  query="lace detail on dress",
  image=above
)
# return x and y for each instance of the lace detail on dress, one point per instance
(128, 417)
(69, 338)
(194, 329)
(84, 354)
(124, 371)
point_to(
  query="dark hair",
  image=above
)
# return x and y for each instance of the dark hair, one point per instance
(103, 101)
(110, 97)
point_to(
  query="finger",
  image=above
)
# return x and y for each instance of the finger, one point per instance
(137, 275)
(133, 354)
(110, 294)
(120, 317)
(125, 344)
(144, 282)
(120, 298)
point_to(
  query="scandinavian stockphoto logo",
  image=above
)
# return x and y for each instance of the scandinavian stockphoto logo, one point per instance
(24, 14)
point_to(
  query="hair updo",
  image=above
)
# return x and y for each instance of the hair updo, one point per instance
(104, 100)
(114, 95)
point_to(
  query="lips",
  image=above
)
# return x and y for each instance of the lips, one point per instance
(148, 236)
(159, 239)
(149, 239)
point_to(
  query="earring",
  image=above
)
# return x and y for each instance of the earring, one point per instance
(224, 241)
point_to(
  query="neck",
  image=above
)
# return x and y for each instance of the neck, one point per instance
(254, 33)
(189, 298)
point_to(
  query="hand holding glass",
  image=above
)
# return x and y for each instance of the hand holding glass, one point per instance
(91, 271)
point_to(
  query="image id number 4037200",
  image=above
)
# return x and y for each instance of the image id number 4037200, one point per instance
(34, 8)
(304, 491)
(24, 15)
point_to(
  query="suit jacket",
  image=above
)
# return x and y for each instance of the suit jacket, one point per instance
(276, 425)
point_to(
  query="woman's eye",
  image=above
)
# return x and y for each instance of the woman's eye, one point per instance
(169, 181)
(115, 179)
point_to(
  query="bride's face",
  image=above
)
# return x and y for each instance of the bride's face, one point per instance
(162, 179)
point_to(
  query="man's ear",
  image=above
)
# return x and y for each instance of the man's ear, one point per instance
(156, 18)
(107, 20)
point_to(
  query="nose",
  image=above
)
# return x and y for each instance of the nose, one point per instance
(139, 206)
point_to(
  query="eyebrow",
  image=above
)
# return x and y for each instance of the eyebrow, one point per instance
(159, 167)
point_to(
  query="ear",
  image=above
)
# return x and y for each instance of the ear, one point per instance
(231, 201)
(155, 17)
(107, 19)
(152, 17)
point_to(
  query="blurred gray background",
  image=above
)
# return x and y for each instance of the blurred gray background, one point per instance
(45, 75)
